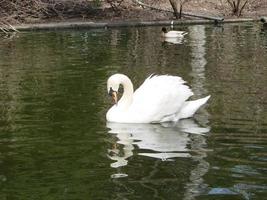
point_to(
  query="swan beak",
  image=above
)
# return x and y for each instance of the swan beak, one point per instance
(113, 94)
(114, 97)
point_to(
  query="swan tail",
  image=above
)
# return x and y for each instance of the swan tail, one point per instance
(190, 107)
(185, 33)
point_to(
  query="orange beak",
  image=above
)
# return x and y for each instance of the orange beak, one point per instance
(114, 97)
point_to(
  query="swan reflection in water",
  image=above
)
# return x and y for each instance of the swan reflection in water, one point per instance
(160, 141)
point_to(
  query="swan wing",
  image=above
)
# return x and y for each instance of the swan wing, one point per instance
(159, 97)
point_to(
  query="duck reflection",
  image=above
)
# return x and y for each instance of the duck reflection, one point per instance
(160, 141)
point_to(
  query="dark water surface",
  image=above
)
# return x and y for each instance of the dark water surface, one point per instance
(55, 142)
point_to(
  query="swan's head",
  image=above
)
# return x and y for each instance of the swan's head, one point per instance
(113, 85)
(164, 30)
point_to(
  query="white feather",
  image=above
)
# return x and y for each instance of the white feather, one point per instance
(175, 34)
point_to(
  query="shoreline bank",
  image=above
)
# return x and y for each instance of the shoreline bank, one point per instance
(116, 24)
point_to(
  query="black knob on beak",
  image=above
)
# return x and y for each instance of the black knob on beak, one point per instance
(110, 92)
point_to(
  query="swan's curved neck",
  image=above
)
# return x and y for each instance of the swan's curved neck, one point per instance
(127, 97)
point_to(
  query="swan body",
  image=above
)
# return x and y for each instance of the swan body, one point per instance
(159, 99)
(172, 34)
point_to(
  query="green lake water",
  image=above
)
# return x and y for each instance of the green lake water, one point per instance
(55, 142)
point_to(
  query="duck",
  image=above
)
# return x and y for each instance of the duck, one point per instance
(161, 98)
(172, 34)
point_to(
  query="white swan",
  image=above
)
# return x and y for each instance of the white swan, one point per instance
(172, 34)
(159, 99)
